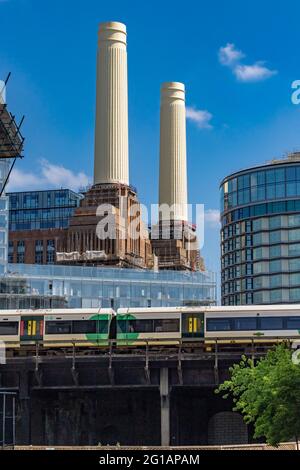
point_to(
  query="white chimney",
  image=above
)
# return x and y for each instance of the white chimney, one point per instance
(111, 130)
(173, 172)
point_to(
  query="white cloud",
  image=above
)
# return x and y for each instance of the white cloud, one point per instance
(200, 117)
(229, 55)
(47, 175)
(253, 73)
(212, 218)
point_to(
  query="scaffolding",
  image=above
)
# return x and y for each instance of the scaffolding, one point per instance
(11, 139)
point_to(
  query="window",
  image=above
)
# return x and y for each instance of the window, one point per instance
(275, 251)
(218, 324)
(280, 190)
(294, 235)
(275, 266)
(291, 189)
(50, 251)
(276, 296)
(271, 191)
(20, 258)
(38, 258)
(275, 222)
(50, 257)
(84, 326)
(293, 323)
(294, 264)
(58, 327)
(21, 246)
(166, 325)
(294, 250)
(295, 279)
(270, 174)
(39, 245)
(245, 324)
(271, 323)
(140, 326)
(294, 220)
(275, 237)
(291, 173)
(9, 328)
(10, 252)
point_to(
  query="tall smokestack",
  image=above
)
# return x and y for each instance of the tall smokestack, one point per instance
(111, 131)
(173, 173)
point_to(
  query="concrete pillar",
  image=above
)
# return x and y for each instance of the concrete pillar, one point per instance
(173, 173)
(164, 406)
(111, 130)
(23, 423)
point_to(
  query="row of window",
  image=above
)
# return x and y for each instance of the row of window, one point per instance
(261, 210)
(262, 177)
(274, 265)
(260, 224)
(275, 296)
(40, 214)
(149, 326)
(68, 327)
(261, 282)
(261, 193)
(39, 225)
(39, 251)
(261, 238)
(247, 269)
(253, 324)
(43, 199)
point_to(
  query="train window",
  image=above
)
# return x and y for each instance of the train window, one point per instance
(271, 323)
(245, 324)
(84, 326)
(140, 326)
(9, 328)
(293, 323)
(58, 327)
(218, 324)
(166, 325)
(103, 326)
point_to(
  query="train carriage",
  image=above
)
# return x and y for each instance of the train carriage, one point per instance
(165, 326)
(56, 327)
(82, 327)
(263, 324)
(10, 328)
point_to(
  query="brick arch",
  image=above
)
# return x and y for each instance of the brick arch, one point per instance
(227, 427)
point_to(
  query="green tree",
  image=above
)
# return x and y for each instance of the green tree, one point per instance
(267, 394)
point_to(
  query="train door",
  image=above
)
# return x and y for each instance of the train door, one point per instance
(31, 328)
(193, 325)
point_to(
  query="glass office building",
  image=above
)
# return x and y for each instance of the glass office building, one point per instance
(53, 286)
(260, 234)
(36, 210)
(4, 169)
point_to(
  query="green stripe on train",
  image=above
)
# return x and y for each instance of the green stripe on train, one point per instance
(99, 338)
(124, 337)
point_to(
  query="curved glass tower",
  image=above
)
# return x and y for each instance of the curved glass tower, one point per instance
(260, 234)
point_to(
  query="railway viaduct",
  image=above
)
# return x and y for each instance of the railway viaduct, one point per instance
(146, 397)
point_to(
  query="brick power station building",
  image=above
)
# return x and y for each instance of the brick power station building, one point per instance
(59, 226)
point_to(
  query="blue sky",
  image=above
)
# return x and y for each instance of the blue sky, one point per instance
(244, 88)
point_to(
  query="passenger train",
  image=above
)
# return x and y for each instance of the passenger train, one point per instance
(137, 326)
